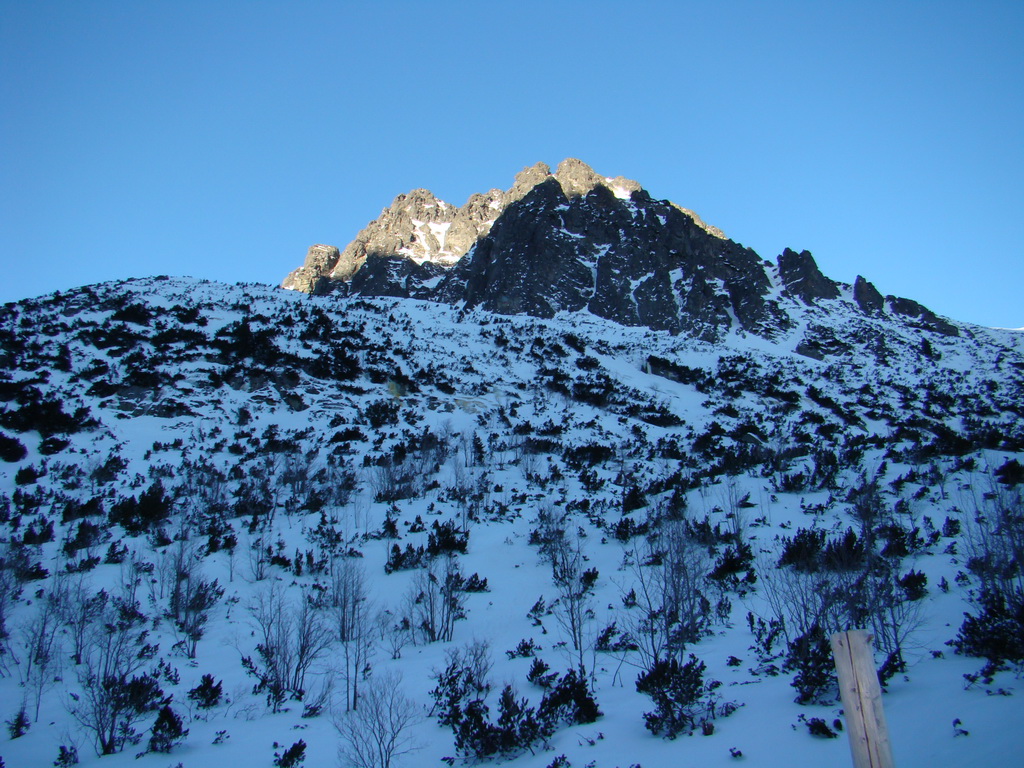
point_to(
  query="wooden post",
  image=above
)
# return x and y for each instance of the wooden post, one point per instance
(862, 699)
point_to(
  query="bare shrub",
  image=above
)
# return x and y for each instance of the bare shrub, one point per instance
(350, 613)
(994, 543)
(43, 657)
(379, 733)
(291, 639)
(439, 599)
(668, 608)
(116, 695)
(572, 579)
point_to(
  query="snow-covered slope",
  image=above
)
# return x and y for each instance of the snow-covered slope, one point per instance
(168, 432)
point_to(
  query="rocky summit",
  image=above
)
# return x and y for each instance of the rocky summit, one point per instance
(573, 241)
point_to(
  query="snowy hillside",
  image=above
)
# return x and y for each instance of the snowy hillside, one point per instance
(320, 501)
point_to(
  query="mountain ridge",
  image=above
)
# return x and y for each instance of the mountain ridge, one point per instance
(575, 240)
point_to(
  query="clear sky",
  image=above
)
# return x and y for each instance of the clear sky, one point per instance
(220, 139)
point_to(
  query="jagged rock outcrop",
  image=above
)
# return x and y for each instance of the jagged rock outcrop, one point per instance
(802, 278)
(578, 242)
(421, 228)
(867, 296)
(417, 228)
(311, 277)
(924, 316)
(574, 240)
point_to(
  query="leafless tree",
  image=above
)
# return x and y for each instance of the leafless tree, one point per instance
(347, 596)
(392, 480)
(572, 579)
(134, 572)
(868, 508)
(574, 582)
(312, 641)
(176, 569)
(9, 589)
(379, 733)
(470, 488)
(892, 614)
(475, 658)
(295, 476)
(994, 540)
(337, 483)
(42, 643)
(115, 696)
(272, 622)
(735, 509)
(203, 483)
(669, 580)
(802, 599)
(352, 628)
(685, 566)
(291, 640)
(256, 497)
(192, 600)
(408, 613)
(439, 599)
(427, 603)
(395, 632)
(41, 640)
(80, 608)
(258, 558)
(268, 476)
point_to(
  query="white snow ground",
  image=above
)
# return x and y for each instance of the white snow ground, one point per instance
(491, 382)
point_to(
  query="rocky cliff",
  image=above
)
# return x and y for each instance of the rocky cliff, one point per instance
(574, 240)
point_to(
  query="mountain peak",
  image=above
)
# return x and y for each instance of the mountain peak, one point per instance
(420, 227)
(527, 179)
(576, 177)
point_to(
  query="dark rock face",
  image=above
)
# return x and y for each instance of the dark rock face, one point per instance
(867, 296)
(820, 342)
(802, 278)
(574, 241)
(583, 244)
(383, 275)
(520, 266)
(923, 315)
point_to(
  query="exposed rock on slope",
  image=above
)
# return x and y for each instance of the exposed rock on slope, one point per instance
(802, 278)
(311, 277)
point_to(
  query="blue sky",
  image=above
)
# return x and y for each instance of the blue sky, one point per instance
(221, 139)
